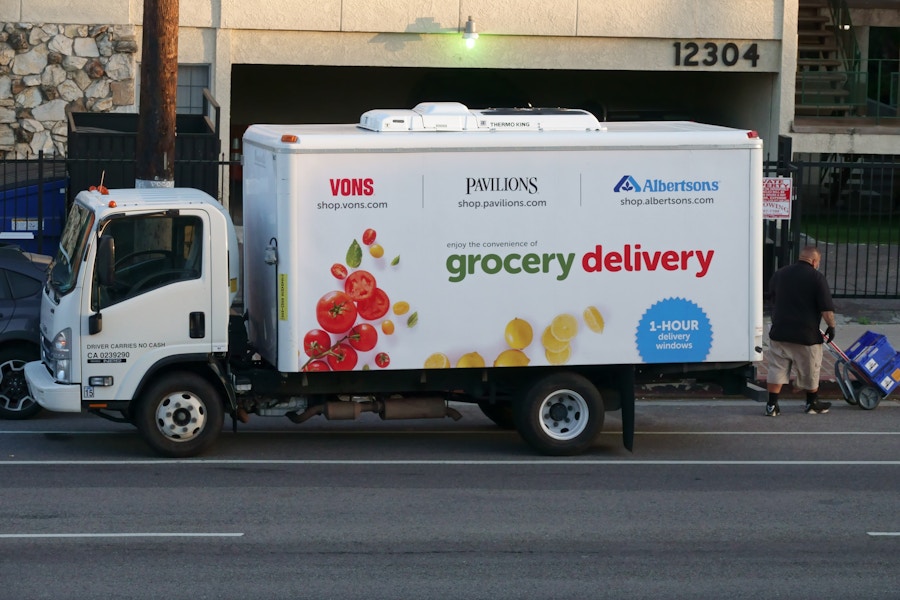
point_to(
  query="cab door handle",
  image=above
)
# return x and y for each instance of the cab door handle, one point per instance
(197, 325)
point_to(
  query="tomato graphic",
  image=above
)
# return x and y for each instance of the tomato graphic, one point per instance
(316, 342)
(374, 307)
(382, 359)
(363, 337)
(336, 312)
(360, 285)
(339, 271)
(342, 357)
(316, 365)
(368, 237)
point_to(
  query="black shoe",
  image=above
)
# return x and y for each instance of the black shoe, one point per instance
(772, 410)
(817, 408)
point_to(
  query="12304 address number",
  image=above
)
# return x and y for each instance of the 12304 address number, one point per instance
(693, 54)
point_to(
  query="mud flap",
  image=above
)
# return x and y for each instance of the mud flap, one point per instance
(626, 382)
(626, 390)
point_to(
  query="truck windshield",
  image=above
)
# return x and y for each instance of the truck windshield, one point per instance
(72, 244)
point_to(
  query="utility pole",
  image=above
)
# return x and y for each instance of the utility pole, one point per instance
(155, 164)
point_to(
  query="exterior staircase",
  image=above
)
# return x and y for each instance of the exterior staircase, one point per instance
(822, 81)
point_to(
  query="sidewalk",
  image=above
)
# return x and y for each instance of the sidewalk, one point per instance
(854, 318)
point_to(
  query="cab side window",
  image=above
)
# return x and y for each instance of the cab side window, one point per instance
(152, 252)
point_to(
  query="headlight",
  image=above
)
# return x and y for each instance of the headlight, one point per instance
(61, 355)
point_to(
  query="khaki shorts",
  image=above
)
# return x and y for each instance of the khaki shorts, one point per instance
(806, 361)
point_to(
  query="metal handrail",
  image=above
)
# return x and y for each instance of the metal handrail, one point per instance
(845, 36)
(870, 90)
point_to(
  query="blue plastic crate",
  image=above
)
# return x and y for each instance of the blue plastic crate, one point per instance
(888, 378)
(19, 215)
(876, 356)
(865, 340)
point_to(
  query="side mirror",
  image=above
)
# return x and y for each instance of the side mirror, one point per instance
(106, 260)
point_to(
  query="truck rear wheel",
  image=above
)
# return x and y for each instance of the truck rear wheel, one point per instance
(180, 415)
(560, 415)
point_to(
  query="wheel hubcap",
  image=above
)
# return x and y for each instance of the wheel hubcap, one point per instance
(14, 394)
(181, 416)
(564, 414)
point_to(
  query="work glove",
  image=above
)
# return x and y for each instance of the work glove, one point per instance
(829, 334)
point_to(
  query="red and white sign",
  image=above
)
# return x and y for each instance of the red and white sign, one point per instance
(777, 193)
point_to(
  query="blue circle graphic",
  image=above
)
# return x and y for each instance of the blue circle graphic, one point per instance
(674, 330)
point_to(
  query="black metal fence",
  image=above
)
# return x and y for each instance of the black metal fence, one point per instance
(848, 206)
(35, 193)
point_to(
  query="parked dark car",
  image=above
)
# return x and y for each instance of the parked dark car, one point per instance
(22, 275)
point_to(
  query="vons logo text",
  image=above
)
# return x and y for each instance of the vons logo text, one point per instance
(630, 184)
(352, 187)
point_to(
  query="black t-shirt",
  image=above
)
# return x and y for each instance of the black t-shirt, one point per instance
(800, 295)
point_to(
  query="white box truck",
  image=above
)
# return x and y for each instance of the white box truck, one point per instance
(536, 262)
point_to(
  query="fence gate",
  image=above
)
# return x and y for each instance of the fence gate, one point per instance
(848, 206)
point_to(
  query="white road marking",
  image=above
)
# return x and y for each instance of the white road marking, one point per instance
(112, 535)
(455, 432)
(884, 533)
(497, 463)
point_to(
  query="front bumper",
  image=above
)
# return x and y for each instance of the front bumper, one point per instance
(58, 397)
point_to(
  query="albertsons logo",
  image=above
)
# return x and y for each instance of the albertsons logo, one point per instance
(630, 184)
(627, 184)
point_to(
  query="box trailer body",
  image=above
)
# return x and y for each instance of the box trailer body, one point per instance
(504, 257)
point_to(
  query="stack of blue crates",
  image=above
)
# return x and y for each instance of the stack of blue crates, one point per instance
(874, 356)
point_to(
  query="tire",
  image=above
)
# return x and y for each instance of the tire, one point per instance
(180, 415)
(868, 397)
(561, 415)
(501, 413)
(16, 402)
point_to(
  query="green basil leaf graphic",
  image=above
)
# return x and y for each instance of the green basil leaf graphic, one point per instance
(413, 319)
(396, 261)
(354, 255)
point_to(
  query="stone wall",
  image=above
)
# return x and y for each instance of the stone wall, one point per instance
(47, 70)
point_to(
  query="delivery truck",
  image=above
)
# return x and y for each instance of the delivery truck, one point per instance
(535, 262)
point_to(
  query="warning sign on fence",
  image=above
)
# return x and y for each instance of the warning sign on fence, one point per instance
(777, 193)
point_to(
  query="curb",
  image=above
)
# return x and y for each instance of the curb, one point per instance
(828, 390)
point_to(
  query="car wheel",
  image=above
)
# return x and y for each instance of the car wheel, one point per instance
(15, 398)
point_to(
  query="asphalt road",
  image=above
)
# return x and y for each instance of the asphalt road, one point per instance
(716, 501)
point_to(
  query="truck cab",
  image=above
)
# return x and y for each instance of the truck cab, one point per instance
(139, 284)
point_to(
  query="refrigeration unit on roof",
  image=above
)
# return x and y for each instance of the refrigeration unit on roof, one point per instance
(453, 116)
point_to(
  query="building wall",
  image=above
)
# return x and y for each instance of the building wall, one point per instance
(587, 35)
(753, 19)
(48, 69)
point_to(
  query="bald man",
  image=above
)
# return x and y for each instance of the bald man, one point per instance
(801, 300)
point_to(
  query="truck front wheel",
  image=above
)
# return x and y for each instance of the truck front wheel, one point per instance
(180, 415)
(560, 415)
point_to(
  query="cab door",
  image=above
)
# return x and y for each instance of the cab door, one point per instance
(156, 305)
